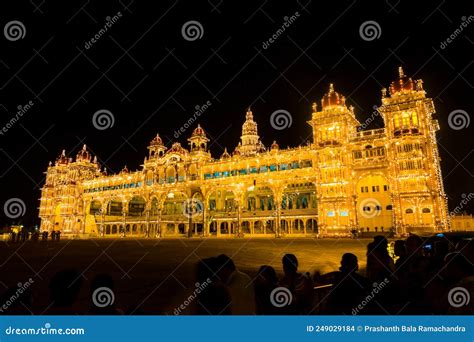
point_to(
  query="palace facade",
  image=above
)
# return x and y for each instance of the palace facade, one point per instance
(346, 179)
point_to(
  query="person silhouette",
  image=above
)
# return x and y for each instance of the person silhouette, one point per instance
(239, 286)
(300, 286)
(214, 298)
(64, 288)
(349, 289)
(99, 283)
(265, 282)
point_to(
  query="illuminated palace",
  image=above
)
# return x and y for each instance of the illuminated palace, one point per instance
(346, 179)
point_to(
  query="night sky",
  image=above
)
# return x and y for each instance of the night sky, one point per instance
(144, 71)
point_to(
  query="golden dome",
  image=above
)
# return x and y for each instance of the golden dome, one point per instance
(177, 148)
(332, 98)
(198, 131)
(62, 159)
(156, 141)
(403, 84)
(83, 155)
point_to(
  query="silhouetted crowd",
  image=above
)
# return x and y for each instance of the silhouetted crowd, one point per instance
(407, 277)
(24, 235)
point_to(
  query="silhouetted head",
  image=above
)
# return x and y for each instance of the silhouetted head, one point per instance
(207, 269)
(349, 263)
(266, 274)
(225, 266)
(64, 287)
(399, 248)
(381, 241)
(290, 264)
(414, 244)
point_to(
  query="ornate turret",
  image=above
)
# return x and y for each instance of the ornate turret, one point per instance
(156, 147)
(332, 98)
(335, 122)
(198, 140)
(225, 155)
(250, 141)
(275, 146)
(177, 148)
(62, 159)
(83, 155)
(237, 150)
(404, 84)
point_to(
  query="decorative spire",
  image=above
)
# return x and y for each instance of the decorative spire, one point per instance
(225, 155)
(400, 72)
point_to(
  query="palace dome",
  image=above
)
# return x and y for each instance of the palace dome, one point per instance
(156, 141)
(403, 84)
(83, 155)
(62, 159)
(198, 132)
(177, 148)
(332, 98)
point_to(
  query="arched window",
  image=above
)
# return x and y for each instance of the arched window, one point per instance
(409, 211)
(389, 207)
(426, 210)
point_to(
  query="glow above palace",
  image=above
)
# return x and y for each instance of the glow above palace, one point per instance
(346, 179)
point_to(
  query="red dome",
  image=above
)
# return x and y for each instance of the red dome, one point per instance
(332, 98)
(156, 141)
(198, 131)
(177, 148)
(83, 155)
(62, 159)
(403, 84)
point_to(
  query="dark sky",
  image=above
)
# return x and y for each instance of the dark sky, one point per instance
(150, 78)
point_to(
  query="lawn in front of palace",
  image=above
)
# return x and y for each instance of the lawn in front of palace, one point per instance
(158, 274)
